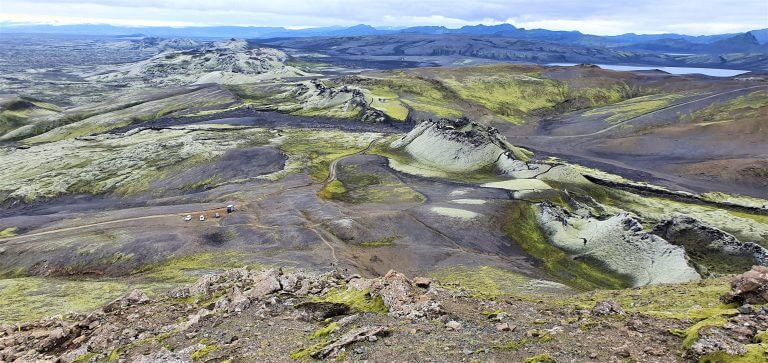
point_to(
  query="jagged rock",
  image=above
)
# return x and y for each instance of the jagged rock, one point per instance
(750, 287)
(422, 282)
(320, 310)
(453, 325)
(135, 297)
(360, 283)
(399, 297)
(358, 335)
(607, 308)
(698, 238)
(264, 283)
(193, 319)
(504, 327)
(234, 302)
(458, 145)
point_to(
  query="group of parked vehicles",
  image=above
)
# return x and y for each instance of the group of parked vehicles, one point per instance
(230, 209)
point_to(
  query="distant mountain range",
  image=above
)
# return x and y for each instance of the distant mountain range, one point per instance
(755, 41)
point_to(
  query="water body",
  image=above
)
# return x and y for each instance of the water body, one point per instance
(715, 72)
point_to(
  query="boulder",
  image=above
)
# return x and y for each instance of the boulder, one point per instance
(264, 283)
(607, 308)
(750, 287)
(135, 297)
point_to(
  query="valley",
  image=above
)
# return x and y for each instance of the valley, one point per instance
(517, 186)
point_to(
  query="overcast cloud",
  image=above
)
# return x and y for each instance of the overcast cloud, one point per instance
(603, 17)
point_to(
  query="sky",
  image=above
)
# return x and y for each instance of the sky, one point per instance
(601, 17)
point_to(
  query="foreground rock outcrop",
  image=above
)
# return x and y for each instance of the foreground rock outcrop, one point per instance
(276, 315)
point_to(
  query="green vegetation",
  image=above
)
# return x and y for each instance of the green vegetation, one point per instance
(486, 282)
(745, 107)
(384, 242)
(187, 269)
(314, 150)
(514, 345)
(306, 353)
(324, 331)
(119, 165)
(421, 94)
(509, 96)
(358, 300)
(83, 358)
(29, 298)
(540, 358)
(755, 354)
(402, 161)
(521, 226)
(133, 113)
(666, 300)
(360, 187)
(203, 352)
(333, 190)
(634, 107)
(8, 232)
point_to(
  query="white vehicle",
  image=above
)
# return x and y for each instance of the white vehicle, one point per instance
(188, 217)
(217, 215)
(202, 217)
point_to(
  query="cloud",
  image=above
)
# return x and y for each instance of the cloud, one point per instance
(596, 17)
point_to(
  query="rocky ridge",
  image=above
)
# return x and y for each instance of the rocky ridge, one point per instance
(234, 313)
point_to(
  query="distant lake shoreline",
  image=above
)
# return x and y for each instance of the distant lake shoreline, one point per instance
(715, 72)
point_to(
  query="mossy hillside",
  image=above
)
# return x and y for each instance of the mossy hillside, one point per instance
(8, 232)
(30, 298)
(693, 300)
(153, 109)
(484, 282)
(332, 190)
(634, 107)
(745, 107)
(314, 150)
(387, 101)
(121, 165)
(188, 268)
(509, 96)
(24, 111)
(401, 161)
(520, 224)
(384, 242)
(359, 186)
(420, 94)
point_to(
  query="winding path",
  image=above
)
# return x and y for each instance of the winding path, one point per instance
(665, 108)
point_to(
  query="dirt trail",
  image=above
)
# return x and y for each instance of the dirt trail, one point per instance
(73, 228)
(666, 108)
(331, 176)
(332, 167)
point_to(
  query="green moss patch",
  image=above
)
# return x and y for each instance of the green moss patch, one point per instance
(486, 282)
(332, 190)
(357, 300)
(521, 226)
(634, 107)
(30, 298)
(8, 232)
(324, 331)
(693, 300)
(384, 242)
(203, 352)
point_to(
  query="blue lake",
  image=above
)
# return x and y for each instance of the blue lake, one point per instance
(715, 72)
